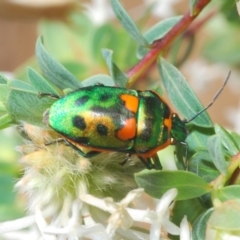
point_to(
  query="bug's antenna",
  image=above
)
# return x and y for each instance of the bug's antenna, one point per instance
(213, 100)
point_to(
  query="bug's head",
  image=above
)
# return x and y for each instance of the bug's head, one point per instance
(179, 131)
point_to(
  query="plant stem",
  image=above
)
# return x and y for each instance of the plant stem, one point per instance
(161, 45)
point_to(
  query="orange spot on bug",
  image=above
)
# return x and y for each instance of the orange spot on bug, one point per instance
(128, 131)
(168, 123)
(131, 102)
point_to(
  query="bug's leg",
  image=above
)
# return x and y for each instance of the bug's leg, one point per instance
(51, 95)
(58, 140)
(89, 154)
(128, 156)
(83, 154)
(145, 162)
(86, 155)
(152, 162)
(181, 153)
(185, 159)
(156, 162)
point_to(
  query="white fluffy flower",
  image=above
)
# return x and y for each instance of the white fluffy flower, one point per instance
(76, 221)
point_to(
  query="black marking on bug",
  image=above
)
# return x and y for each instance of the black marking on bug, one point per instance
(115, 112)
(102, 129)
(82, 100)
(79, 122)
(165, 110)
(105, 97)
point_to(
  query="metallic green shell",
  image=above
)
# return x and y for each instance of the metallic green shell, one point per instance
(92, 117)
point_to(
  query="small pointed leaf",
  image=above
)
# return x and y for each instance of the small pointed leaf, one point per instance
(227, 140)
(181, 94)
(216, 153)
(118, 76)
(53, 70)
(25, 105)
(127, 22)
(201, 164)
(200, 225)
(39, 82)
(157, 32)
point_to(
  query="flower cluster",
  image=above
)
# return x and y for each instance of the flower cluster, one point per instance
(68, 195)
(77, 219)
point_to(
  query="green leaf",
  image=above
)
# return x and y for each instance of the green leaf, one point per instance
(98, 79)
(11, 212)
(39, 82)
(201, 164)
(25, 105)
(192, 208)
(116, 39)
(103, 36)
(181, 95)
(198, 136)
(127, 22)
(181, 49)
(200, 225)
(216, 153)
(229, 11)
(229, 193)
(53, 70)
(236, 137)
(227, 140)
(4, 90)
(8, 168)
(81, 22)
(156, 183)
(6, 189)
(77, 68)
(226, 217)
(6, 121)
(3, 79)
(157, 32)
(69, 39)
(2, 108)
(160, 29)
(216, 49)
(117, 75)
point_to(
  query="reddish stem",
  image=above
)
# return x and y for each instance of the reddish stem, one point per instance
(162, 44)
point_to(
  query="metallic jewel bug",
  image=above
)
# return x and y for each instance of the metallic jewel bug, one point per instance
(102, 118)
